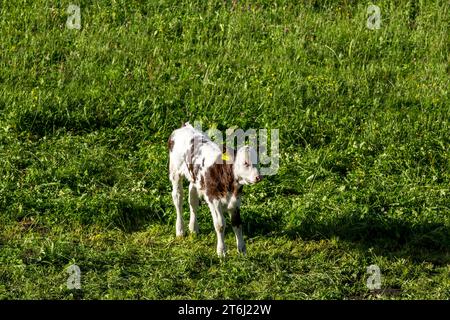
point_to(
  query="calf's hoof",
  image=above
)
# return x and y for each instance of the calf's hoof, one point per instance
(242, 250)
(180, 233)
(221, 252)
(193, 228)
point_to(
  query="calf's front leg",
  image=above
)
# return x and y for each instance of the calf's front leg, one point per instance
(236, 223)
(219, 226)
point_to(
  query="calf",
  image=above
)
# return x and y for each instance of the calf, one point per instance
(215, 175)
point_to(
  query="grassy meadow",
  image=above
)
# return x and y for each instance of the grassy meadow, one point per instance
(364, 123)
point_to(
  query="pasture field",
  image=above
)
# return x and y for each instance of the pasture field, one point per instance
(363, 116)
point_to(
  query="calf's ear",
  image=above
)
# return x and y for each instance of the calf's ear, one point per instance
(251, 155)
(243, 155)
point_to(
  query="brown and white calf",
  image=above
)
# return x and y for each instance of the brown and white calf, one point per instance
(214, 174)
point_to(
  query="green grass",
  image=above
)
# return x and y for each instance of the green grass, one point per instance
(364, 147)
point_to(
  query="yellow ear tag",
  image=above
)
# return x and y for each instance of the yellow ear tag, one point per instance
(225, 156)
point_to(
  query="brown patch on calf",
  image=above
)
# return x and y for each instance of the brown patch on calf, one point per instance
(237, 191)
(191, 156)
(202, 183)
(220, 181)
(170, 143)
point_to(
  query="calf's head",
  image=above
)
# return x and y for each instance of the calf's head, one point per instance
(245, 166)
